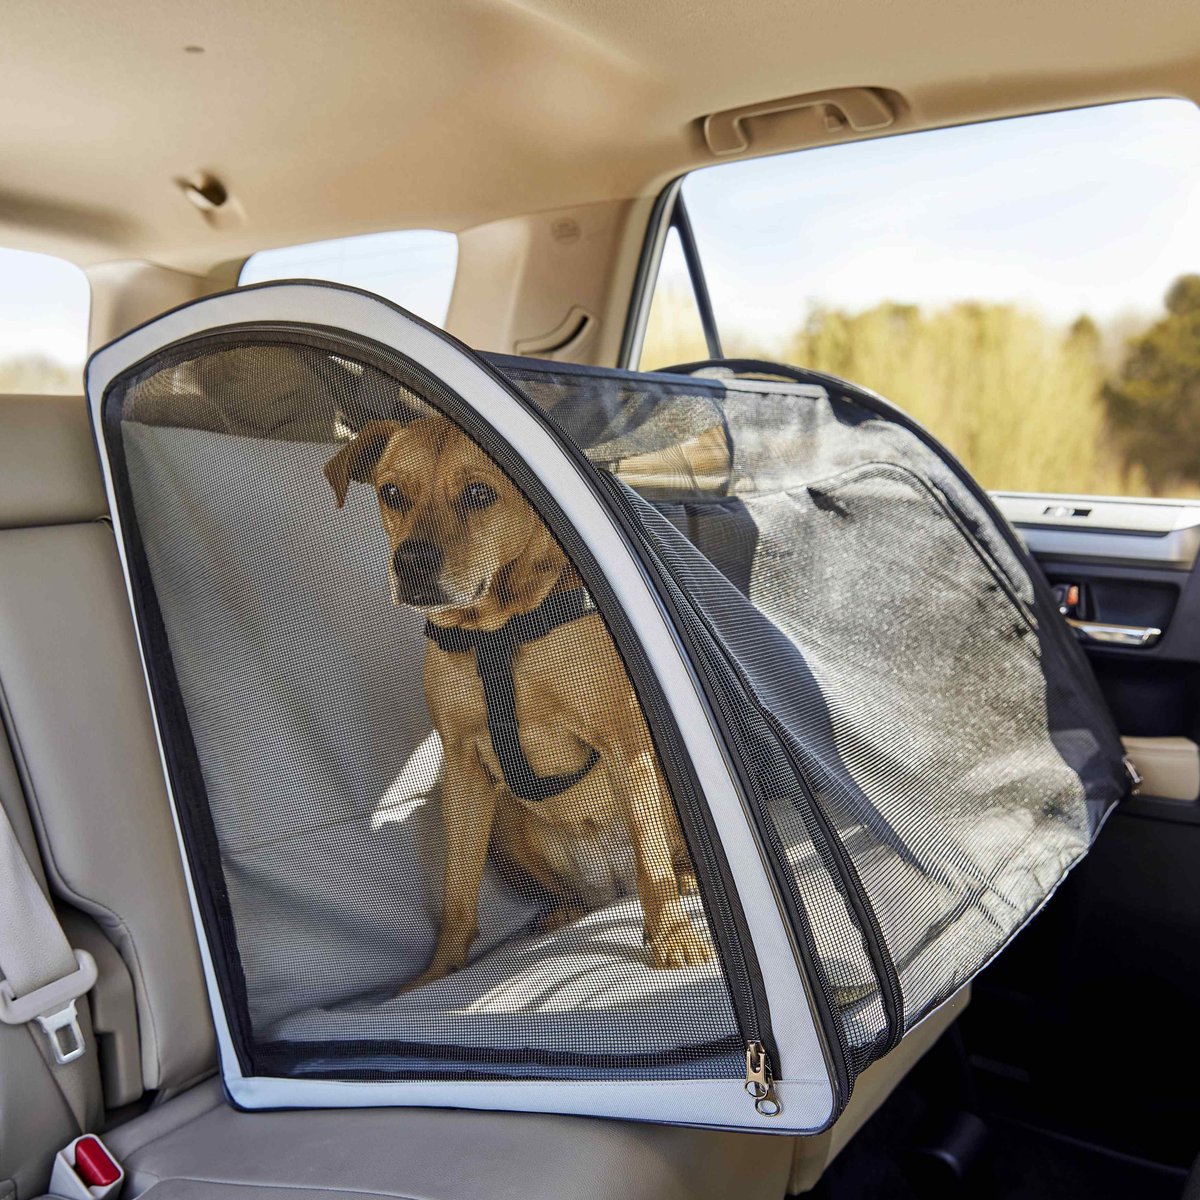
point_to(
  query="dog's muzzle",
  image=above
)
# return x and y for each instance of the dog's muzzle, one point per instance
(416, 564)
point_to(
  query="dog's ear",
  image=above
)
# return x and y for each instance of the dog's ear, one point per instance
(356, 461)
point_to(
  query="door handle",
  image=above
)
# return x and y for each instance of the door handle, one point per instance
(1136, 636)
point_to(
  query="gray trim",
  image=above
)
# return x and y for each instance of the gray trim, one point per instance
(1107, 529)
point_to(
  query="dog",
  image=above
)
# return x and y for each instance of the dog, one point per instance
(591, 818)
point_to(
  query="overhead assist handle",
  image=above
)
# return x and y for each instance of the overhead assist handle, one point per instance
(859, 108)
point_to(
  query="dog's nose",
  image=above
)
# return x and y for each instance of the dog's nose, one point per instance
(416, 557)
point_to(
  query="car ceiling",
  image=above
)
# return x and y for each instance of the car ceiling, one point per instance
(330, 117)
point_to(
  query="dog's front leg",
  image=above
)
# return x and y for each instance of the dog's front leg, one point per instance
(672, 938)
(468, 807)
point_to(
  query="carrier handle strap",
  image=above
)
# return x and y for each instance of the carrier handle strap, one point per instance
(43, 976)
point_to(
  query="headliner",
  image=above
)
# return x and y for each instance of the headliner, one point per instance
(329, 118)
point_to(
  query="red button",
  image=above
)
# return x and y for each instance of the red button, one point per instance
(94, 1165)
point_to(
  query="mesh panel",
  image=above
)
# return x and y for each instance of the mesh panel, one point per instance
(927, 756)
(951, 851)
(352, 761)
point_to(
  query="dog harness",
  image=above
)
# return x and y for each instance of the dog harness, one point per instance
(494, 652)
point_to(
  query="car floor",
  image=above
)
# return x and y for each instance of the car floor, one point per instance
(901, 1153)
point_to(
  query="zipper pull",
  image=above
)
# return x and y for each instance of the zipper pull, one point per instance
(760, 1083)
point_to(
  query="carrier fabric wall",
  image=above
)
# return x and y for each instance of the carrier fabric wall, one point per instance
(927, 744)
(867, 742)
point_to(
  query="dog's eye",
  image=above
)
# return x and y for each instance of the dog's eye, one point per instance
(393, 497)
(477, 495)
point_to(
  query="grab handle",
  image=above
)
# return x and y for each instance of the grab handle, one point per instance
(859, 108)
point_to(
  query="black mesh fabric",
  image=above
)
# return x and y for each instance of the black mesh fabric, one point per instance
(326, 783)
(925, 744)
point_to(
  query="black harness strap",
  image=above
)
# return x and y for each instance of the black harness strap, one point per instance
(494, 661)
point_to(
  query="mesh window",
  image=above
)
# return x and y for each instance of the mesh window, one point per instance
(301, 515)
(925, 746)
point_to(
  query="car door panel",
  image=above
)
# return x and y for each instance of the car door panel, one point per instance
(1089, 1017)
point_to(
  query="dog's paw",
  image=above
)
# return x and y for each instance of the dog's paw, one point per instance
(687, 882)
(560, 917)
(431, 974)
(679, 945)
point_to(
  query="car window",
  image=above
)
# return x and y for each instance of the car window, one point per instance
(674, 331)
(44, 307)
(412, 267)
(1029, 289)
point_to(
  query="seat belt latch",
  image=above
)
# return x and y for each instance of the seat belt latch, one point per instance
(85, 1170)
(53, 1008)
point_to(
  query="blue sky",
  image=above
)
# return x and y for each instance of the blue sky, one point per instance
(1090, 211)
(43, 307)
(414, 267)
(44, 301)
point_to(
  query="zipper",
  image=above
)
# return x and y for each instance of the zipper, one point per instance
(776, 857)
(760, 1081)
(952, 513)
(1136, 778)
(746, 988)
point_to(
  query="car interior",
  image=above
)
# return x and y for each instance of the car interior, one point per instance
(987, 214)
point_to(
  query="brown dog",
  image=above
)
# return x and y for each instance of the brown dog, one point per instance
(470, 553)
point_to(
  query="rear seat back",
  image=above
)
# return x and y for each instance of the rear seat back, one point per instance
(74, 706)
(39, 1104)
(76, 715)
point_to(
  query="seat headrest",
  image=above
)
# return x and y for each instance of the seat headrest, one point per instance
(49, 474)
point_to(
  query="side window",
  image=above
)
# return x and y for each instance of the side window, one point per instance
(1029, 289)
(413, 267)
(674, 330)
(44, 307)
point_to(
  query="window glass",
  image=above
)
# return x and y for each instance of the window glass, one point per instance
(44, 304)
(674, 331)
(413, 267)
(1029, 289)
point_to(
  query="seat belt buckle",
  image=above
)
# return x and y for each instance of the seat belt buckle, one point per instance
(62, 1030)
(85, 1169)
(53, 1008)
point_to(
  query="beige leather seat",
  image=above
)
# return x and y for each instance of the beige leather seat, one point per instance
(84, 782)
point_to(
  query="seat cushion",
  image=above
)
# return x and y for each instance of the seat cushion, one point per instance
(198, 1148)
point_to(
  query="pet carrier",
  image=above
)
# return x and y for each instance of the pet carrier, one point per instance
(563, 739)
